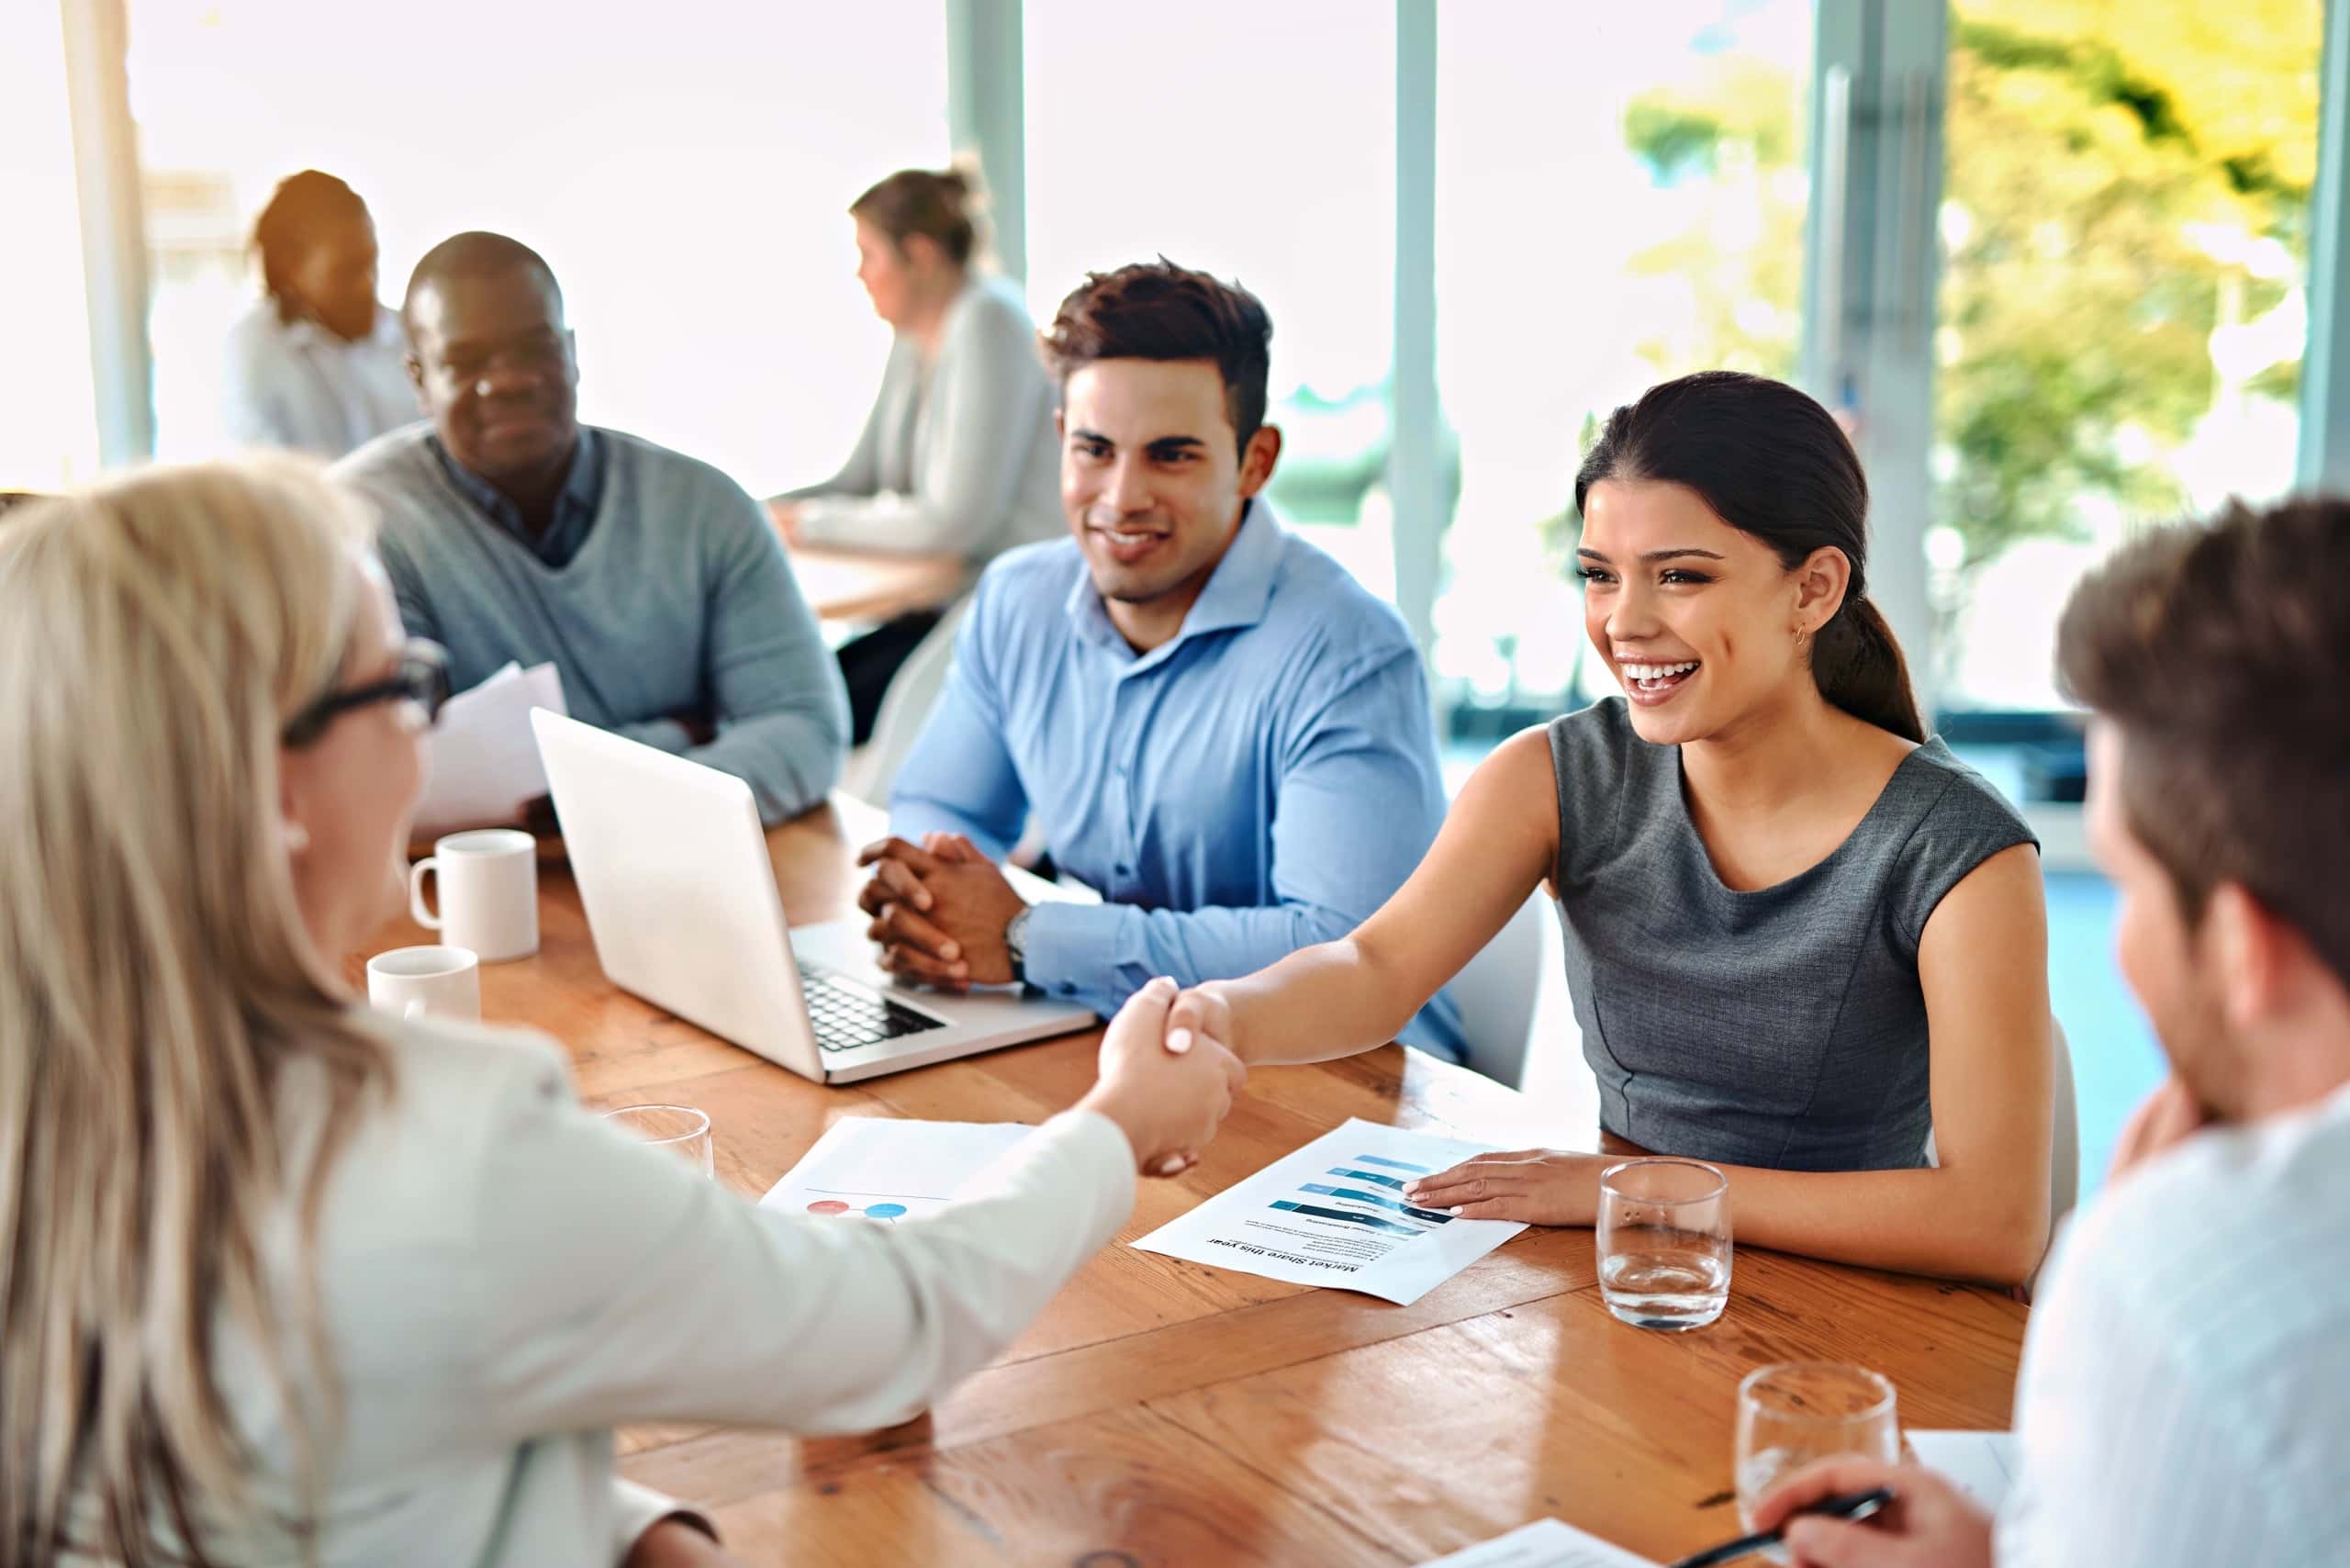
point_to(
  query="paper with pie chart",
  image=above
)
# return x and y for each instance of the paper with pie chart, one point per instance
(880, 1170)
(1333, 1213)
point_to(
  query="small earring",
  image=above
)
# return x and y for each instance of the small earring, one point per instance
(297, 838)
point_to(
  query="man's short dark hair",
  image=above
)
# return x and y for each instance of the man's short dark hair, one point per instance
(1158, 311)
(2221, 653)
(475, 253)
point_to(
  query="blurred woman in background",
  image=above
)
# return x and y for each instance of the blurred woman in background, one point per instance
(958, 455)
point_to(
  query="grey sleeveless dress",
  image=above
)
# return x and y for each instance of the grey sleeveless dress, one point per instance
(1783, 1027)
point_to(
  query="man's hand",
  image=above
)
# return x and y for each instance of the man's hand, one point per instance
(1928, 1524)
(1169, 1106)
(939, 914)
(2164, 1119)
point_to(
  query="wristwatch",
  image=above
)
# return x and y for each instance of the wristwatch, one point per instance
(1015, 942)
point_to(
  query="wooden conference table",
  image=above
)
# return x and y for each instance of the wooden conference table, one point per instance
(868, 586)
(1166, 1413)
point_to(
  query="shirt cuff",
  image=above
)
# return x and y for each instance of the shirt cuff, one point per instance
(636, 1509)
(1073, 951)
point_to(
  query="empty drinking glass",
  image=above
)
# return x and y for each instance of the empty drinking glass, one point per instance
(679, 1128)
(1663, 1240)
(1796, 1412)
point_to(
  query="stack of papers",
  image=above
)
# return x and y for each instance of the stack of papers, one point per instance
(482, 760)
(1333, 1213)
(1545, 1543)
(1981, 1464)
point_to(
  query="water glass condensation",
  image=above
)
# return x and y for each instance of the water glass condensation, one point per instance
(1663, 1240)
(680, 1129)
(1796, 1413)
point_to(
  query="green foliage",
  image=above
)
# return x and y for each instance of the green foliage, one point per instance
(2090, 142)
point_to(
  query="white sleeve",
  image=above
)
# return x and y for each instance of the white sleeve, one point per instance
(2126, 1455)
(614, 1285)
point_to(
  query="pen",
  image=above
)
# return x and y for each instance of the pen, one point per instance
(1850, 1506)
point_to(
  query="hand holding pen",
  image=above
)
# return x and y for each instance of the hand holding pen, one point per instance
(1925, 1523)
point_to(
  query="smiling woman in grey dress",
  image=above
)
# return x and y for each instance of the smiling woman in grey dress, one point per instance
(1800, 935)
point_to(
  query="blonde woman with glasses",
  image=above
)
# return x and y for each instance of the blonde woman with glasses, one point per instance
(287, 1282)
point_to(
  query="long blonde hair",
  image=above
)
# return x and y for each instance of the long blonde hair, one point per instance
(156, 982)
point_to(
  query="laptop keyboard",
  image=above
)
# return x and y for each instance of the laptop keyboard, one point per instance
(845, 1015)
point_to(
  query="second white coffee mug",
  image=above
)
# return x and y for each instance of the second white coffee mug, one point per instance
(488, 893)
(444, 982)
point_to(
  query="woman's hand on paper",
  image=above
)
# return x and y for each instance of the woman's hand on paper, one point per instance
(1169, 1104)
(1533, 1186)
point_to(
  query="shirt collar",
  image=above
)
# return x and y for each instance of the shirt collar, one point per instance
(583, 488)
(1236, 595)
(387, 332)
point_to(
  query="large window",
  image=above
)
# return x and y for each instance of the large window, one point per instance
(1620, 199)
(688, 178)
(48, 418)
(1256, 142)
(2124, 224)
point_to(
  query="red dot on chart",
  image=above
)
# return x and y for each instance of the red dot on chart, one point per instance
(828, 1206)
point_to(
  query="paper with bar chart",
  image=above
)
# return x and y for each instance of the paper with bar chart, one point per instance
(1333, 1213)
(883, 1170)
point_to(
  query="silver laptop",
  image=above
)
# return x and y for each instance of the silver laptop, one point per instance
(672, 871)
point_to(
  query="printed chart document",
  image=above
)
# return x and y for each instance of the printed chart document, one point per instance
(877, 1168)
(1545, 1543)
(1981, 1464)
(1333, 1213)
(481, 759)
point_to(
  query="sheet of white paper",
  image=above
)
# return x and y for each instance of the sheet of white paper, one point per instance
(481, 759)
(1333, 1213)
(1545, 1543)
(882, 1169)
(1982, 1464)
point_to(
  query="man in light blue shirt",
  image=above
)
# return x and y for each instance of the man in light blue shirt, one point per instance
(1212, 722)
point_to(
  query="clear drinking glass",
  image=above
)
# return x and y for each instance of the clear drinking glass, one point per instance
(678, 1129)
(1663, 1240)
(1796, 1412)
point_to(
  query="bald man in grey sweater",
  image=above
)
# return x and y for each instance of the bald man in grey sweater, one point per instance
(653, 582)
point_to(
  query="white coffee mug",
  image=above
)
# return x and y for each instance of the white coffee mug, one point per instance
(444, 982)
(488, 893)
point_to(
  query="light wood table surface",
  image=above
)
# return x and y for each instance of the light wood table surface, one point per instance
(1167, 1413)
(868, 586)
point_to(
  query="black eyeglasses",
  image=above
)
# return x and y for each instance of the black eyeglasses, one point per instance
(421, 677)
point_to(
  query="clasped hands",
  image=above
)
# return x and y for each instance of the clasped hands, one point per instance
(939, 912)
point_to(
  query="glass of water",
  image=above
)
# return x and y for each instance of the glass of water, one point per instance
(1798, 1412)
(1663, 1239)
(680, 1129)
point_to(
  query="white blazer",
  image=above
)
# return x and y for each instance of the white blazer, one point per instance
(505, 1279)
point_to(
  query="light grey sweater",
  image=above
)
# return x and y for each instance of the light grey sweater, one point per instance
(957, 458)
(680, 602)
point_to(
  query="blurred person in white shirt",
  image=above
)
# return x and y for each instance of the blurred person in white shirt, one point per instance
(2184, 1393)
(318, 364)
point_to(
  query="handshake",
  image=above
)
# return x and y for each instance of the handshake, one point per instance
(1163, 1079)
(940, 912)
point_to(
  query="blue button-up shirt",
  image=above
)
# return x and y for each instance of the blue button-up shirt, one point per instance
(575, 506)
(1260, 783)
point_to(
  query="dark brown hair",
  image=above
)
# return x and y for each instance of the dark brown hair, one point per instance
(2220, 652)
(1771, 462)
(1158, 311)
(942, 206)
(299, 209)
